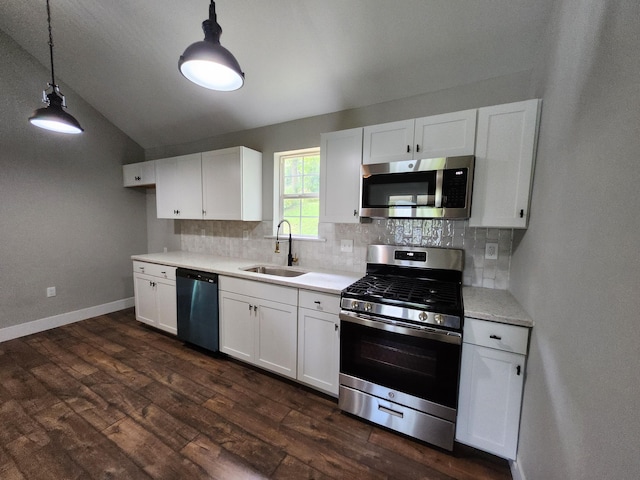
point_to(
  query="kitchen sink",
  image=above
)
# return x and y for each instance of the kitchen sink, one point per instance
(273, 270)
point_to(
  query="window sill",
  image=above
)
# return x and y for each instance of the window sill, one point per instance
(285, 238)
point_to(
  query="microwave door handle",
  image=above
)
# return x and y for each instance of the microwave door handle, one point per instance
(439, 182)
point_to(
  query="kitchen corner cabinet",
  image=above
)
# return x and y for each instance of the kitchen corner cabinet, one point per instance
(319, 340)
(155, 295)
(139, 174)
(340, 159)
(505, 154)
(491, 386)
(258, 324)
(179, 187)
(232, 184)
(446, 135)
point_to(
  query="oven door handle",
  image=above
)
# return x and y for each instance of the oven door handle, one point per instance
(403, 328)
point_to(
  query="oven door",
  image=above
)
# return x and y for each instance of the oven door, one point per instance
(418, 367)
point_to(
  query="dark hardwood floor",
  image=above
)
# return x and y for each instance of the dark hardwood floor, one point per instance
(108, 398)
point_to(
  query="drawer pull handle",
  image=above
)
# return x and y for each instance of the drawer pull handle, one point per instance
(390, 412)
(495, 337)
(317, 302)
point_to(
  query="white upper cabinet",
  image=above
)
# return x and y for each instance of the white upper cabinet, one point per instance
(139, 174)
(446, 135)
(340, 158)
(505, 155)
(388, 142)
(179, 187)
(232, 184)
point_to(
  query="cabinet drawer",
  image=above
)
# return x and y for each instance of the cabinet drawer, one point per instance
(322, 302)
(510, 338)
(154, 269)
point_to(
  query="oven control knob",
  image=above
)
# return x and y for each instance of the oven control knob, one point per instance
(354, 305)
(368, 307)
(423, 316)
(439, 319)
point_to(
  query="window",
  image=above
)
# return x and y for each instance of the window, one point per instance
(298, 192)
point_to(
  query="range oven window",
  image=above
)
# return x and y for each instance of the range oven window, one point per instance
(425, 368)
(399, 189)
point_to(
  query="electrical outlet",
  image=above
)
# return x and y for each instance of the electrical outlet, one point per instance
(346, 246)
(51, 291)
(491, 251)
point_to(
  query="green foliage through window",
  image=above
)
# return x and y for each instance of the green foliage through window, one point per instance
(300, 191)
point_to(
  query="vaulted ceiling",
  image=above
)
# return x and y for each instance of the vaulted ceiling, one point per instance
(301, 57)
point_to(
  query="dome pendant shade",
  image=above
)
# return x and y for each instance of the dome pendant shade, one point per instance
(53, 117)
(209, 64)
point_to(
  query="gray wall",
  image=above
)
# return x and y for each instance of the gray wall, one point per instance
(577, 268)
(66, 219)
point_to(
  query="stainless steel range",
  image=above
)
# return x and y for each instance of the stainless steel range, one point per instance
(401, 339)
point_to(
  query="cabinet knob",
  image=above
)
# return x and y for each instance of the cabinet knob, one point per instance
(521, 213)
(355, 212)
(336, 327)
(408, 148)
(518, 370)
(417, 147)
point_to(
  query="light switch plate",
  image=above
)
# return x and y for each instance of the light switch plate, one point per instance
(346, 246)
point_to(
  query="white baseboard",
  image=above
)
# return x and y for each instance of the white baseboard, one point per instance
(516, 471)
(35, 326)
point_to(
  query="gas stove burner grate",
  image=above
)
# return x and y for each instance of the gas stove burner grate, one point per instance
(406, 290)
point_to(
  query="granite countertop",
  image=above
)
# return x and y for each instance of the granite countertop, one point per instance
(494, 305)
(319, 280)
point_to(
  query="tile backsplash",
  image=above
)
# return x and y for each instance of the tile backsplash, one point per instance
(249, 240)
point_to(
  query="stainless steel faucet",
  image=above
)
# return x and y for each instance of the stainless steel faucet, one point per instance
(290, 258)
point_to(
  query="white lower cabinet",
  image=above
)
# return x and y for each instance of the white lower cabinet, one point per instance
(155, 295)
(319, 340)
(258, 324)
(491, 385)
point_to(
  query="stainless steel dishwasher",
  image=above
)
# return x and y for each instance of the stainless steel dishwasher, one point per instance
(197, 300)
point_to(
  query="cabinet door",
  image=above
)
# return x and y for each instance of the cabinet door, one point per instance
(232, 184)
(139, 174)
(318, 349)
(277, 337)
(166, 304)
(179, 187)
(340, 159)
(237, 326)
(447, 135)
(505, 154)
(491, 383)
(388, 142)
(145, 298)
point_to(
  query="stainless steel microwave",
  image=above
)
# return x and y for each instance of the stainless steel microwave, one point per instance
(427, 188)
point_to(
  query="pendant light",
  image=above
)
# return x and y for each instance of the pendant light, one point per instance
(53, 117)
(209, 64)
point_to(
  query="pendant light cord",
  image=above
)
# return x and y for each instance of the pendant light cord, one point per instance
(53, 79)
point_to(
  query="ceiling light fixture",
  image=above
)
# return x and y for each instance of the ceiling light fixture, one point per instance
(53, 117)
(209, 64)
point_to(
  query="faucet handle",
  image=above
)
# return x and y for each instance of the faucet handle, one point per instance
(295, 258)
(277, 250)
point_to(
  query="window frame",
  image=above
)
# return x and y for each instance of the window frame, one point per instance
(278, 188)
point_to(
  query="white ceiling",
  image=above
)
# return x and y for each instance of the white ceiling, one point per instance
(301, 57)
